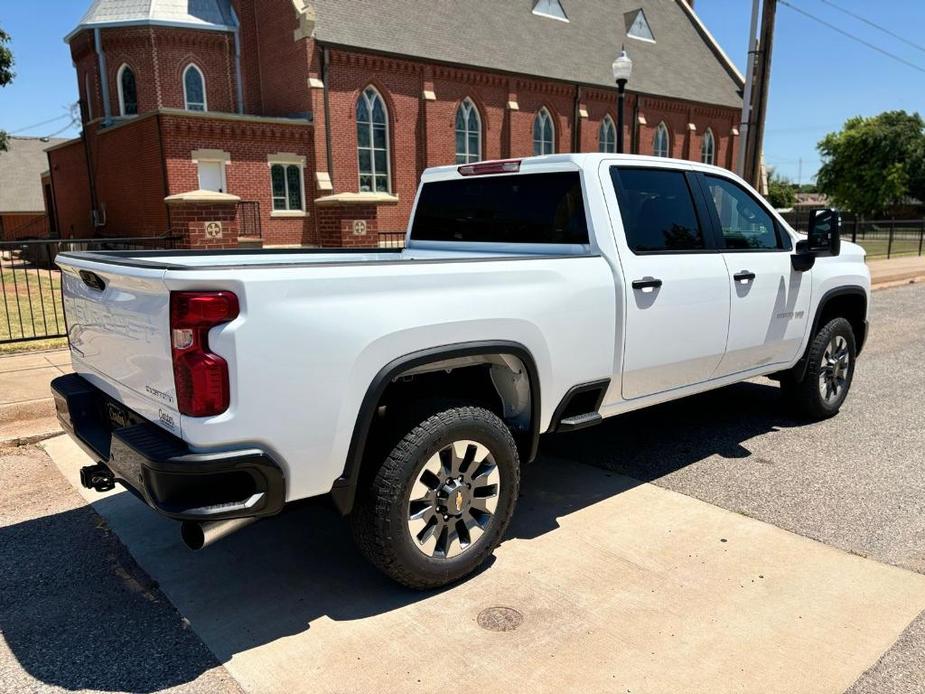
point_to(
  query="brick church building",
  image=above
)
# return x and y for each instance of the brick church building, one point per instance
(292, 119)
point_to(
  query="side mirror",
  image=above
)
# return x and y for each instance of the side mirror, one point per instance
(824, 237)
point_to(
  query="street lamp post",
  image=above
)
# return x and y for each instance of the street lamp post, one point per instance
(622, 69)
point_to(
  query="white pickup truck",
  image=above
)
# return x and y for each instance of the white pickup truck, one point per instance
(532, 296)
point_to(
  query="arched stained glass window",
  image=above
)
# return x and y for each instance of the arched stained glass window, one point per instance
(661, 143)
(373, 142)
(544, 133)
(128, 91)
(194, 89)
(468, 133)
(607, 136)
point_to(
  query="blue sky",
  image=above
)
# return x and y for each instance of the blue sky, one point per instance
(819, 78)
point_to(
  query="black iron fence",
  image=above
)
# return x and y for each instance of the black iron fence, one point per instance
(391, 239)
(881, 238)
(30, 283)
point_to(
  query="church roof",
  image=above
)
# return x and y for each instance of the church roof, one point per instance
(196, 14)
(569, 40)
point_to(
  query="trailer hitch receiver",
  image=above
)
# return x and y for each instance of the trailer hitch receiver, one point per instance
(98, 477)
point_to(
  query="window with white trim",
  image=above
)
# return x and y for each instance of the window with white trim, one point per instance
(373, 142)
(287, 183)
(544, 133)
(607, 136)
(468, 133)
(661, 142)
(708, 148)
(194, 89)
(128, 91)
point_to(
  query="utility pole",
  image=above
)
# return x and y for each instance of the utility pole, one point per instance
(747, 94)
(753, 144)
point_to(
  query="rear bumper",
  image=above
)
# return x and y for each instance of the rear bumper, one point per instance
(159, 468)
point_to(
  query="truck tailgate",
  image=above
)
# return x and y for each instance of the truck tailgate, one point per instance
(118, 323)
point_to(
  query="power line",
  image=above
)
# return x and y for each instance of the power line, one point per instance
(66, 127)
(853, 37)
(874, 25)
(44, 122)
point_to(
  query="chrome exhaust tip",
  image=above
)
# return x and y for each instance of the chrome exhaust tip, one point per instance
(198, 535)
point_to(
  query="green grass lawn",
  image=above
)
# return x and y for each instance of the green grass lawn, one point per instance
(877, 248)
(30, 302)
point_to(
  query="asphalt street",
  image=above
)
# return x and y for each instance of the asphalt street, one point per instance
(76, 612)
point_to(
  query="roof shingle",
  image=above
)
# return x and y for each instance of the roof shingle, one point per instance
(508, 36)
(201, 14)
(20, 174)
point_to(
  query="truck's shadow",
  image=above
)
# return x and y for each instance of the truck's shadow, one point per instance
(275, 578)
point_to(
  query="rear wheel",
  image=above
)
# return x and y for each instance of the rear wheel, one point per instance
(440, 502)
(829, 372)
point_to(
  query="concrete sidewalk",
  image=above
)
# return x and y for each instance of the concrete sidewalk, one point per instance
(27, 413)
(889, 273)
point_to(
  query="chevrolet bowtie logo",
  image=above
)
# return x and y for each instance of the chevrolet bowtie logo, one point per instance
(459, 503)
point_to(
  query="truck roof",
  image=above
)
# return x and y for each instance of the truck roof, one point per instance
(570, 161)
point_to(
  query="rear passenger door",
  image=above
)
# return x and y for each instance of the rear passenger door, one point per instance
(676, 286)
(770, 300)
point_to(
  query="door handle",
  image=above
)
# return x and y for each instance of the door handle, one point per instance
(744, 276)
(646, 283)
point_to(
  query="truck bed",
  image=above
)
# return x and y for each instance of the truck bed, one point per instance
(316, 326)
(293, 257)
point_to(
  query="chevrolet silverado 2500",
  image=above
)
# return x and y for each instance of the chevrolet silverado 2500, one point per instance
(532, 296)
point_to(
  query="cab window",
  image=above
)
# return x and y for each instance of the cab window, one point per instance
(746, 225)
(658, 210)
(526, 208)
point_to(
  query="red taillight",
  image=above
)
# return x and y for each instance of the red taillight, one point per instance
(490, 167)
(200, 377)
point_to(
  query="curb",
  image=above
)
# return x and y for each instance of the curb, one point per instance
(18, 441)
(27, 410)
(899, 281)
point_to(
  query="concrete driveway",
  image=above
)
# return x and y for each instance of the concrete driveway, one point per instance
(685, 557)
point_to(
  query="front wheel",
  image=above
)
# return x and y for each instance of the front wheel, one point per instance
(829, 372)
(440, 502)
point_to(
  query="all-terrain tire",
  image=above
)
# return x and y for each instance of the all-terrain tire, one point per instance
(382, 518)
(830, 360)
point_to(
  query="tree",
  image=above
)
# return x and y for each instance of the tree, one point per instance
(873, 163)
(6, 73)
(781, 192)
(917, 172)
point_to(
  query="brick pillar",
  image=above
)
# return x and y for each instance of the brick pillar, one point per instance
(350, 220)
(204, 219)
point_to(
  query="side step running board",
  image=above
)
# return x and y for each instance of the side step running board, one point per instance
(580, 421)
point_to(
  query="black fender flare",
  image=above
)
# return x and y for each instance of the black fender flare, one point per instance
(799, 369)
(343, 492)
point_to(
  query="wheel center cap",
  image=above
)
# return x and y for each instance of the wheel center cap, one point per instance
(453, 497)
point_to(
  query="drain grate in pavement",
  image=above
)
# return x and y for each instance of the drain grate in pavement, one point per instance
(500, 619)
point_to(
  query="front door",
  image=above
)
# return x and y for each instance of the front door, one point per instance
(676, 286)
(770, 300)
